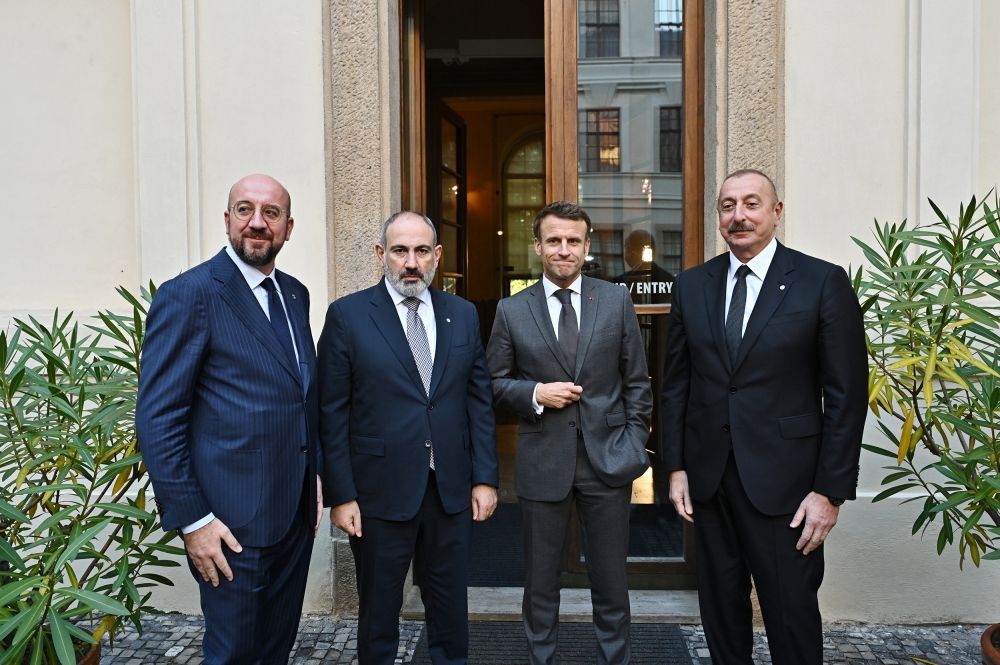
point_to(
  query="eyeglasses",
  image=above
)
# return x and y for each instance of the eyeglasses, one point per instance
(244, 210)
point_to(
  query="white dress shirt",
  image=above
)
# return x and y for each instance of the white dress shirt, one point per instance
(254, 278)
(425, 312)
(759, 266)
(555, 311)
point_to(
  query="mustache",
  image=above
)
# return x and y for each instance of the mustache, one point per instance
(257, 235)
(736, 227)
(411, 272)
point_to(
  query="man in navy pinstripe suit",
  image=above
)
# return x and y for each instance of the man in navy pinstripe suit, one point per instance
(227, 424)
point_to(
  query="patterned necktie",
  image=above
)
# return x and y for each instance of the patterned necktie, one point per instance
(279, 322)
(416, 335)
(734, 320)
(569, 330)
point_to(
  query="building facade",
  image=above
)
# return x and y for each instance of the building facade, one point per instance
(125, 122)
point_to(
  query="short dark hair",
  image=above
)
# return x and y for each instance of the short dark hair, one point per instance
(396, 215)
(742, 172)
(562, 210)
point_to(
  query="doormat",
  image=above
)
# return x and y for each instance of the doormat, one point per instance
(497, 555)
(503, 643)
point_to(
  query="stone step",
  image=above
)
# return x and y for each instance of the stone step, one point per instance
(504, 604)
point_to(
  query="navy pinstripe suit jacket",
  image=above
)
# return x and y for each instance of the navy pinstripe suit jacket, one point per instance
(226, 422)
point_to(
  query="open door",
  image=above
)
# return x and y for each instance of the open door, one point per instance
(447, 191)
(622, 85)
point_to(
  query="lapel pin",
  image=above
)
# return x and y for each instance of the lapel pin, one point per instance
(293, 295)
(781, 288)
(447, 319)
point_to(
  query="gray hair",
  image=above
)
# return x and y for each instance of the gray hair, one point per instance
(396, 215)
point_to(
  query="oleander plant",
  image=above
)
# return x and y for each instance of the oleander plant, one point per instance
(931, 300)
(80, 541)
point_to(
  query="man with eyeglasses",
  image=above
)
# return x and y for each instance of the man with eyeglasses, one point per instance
(227, 424)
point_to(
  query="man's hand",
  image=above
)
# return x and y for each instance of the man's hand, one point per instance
(557, 395)
(319, 506)
(204, 546)
(484, 502)
(347, 518)
(679, 495)
(820, 517)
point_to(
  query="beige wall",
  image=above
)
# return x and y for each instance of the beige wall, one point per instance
(67, 168)
(885, 105)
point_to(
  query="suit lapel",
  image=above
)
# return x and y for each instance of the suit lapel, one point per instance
(383, 314)
(295, 308)
(715, 302)
(236, 293)
(442, 348)
(539, 309)
(588, 319)
(779, 277)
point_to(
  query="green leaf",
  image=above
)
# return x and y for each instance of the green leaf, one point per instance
(126, 510)
(79, 541)
(12, 513)
(60, 639)
(885, 494)
(8, 553)
(94, 600)
(9, 592)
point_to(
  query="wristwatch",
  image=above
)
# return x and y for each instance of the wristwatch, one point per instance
(835, 500)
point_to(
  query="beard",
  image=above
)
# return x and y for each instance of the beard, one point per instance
(413, 289)
(255, 258)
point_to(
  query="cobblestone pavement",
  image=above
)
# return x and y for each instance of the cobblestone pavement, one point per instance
(176, 639)
(872, 644)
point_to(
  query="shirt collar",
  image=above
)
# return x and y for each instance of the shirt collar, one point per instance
(551, 287)
(398, 297)
(252, 275)
(759, 264)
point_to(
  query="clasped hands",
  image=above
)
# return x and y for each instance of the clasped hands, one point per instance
(816, 511)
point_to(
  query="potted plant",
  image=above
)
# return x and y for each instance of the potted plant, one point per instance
(79, 536)
(931, 299)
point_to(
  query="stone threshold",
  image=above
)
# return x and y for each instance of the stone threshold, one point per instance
(504, 604)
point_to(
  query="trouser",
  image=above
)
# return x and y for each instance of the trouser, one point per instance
(737, 542)
(604, 517)
(439, 545)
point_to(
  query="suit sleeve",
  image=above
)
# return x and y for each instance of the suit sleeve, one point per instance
(843, 362)
(335, 386)
(510, 392)
(636, 393)
(482, 424)
(172, 354)
(675, 385)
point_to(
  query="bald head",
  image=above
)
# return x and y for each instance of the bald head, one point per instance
(257, 182)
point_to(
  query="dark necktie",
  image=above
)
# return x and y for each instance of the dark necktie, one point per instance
(569, 330)
(734, 320)
(416, 335)
(279, 322)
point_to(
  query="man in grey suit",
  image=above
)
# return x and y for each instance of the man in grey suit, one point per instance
(566, 356)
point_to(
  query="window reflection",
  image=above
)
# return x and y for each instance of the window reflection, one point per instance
(631, 183)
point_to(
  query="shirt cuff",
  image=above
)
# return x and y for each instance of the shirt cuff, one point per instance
(194, 526)
(534, 401)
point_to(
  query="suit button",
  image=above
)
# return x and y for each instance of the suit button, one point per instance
(732, 389)
(427, 443)
(725, 427)
(572, 423)
(304, 449)
(430, 408)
